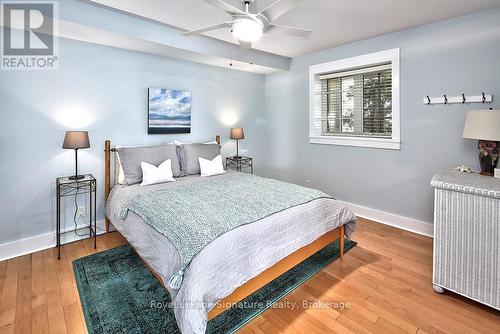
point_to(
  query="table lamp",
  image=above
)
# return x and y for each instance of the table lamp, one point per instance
(237, 134)
(484, 125)
(76, 140)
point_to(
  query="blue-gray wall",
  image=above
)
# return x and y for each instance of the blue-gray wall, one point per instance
(104, 90)
(457, 56)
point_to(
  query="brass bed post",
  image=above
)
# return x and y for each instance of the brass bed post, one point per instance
(107, 177)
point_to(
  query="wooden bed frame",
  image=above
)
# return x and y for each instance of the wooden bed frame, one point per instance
(263, 278)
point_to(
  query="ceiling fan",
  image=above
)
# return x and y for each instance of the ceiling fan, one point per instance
(248, 27)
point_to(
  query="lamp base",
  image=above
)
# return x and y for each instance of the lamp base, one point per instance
(237, 157)
(76, 177)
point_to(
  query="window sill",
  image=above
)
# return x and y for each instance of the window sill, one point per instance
(389, 144)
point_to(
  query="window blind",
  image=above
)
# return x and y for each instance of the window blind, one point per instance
(356, 102)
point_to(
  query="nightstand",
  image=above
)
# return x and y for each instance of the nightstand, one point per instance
(239, 163)
(66, 187)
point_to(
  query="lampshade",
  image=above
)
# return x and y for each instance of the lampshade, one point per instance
(76, 140)
(237, 133)
(482, 125)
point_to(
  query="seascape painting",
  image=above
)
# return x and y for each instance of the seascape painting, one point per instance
(169, 111)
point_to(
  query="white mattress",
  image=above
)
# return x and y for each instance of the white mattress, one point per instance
(230, 260)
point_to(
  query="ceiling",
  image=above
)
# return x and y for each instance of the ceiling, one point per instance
(333, 22)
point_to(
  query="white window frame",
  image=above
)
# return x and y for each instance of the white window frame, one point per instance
(391, 56)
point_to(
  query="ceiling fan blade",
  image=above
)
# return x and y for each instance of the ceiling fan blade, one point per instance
(230, 9)
(284, 30)
(278, 8)
(209, 28)
(245, 45)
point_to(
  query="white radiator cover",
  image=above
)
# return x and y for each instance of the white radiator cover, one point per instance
(467, 236)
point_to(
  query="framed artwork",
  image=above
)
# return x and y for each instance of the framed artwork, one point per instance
(169, 111)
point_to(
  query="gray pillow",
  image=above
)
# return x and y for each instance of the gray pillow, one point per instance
(190, 153)
(131, 158)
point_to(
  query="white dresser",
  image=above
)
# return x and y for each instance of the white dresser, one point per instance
(467, 236)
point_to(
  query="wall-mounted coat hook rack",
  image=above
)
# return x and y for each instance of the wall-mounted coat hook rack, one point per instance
(445, 99)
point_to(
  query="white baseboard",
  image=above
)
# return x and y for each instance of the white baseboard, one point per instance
(34, 244)
(386, 218)
(25, 246)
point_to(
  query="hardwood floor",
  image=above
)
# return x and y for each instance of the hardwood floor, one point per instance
(381, 286)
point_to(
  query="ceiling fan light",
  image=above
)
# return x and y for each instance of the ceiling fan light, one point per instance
(248, 30)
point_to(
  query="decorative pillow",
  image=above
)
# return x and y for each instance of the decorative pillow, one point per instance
(131, 158)
(179, 143)
(211, 167)
(121, 173)
(153, 175)
(189, 154)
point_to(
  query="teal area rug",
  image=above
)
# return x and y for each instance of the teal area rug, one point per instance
(117, 289)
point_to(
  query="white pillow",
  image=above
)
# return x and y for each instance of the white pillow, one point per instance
(153, 175)
(211, 167)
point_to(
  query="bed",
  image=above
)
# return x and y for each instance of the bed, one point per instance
(236, 263)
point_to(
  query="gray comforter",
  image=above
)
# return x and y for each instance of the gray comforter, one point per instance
(240, 254)
(193, 215)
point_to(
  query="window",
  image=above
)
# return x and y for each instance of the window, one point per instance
(355, 101)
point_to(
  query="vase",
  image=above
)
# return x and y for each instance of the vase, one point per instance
(488, 156)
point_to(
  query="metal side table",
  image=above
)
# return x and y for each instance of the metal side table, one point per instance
(66, 187)
(239, 163)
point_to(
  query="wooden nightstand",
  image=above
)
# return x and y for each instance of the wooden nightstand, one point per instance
(239, 163)
(66, 187)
